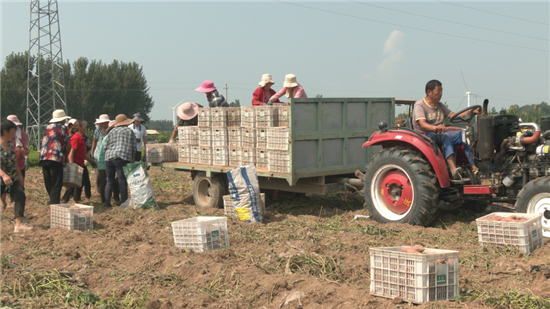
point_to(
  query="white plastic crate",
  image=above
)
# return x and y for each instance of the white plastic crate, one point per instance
(219, 116)
(219, 137)
(234, 136)
(230, 212)
(205, 154)
(248, 137)
(279, 161)
(262, 159)
(154, 153)
(415, 278)
(235, 156)
(248, 116)
(188, 135)
(266, 116)
(234, 117)
(261, 138)
(205, 117)
(195, 152)
(205, 136)
(184, 153)
(201, 233)
(248, 156)
(72, 175)
(526, 236)
(278, 138)
(283, 116)
(220, 156)
(78, 218)
(170, 153)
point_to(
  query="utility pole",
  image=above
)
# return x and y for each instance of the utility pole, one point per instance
(45, 76)
(226, 92)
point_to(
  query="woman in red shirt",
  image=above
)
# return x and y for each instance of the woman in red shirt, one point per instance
(264, 93)
(78, 155)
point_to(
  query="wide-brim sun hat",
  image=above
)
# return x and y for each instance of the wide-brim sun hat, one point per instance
(102, 119)
(112, 124)
(290, 81)
(59, 115)
(72, 121)
(14, 119)
(187, 111)
(137, 117)
(122, 120)
(266, 78)
(207, 86)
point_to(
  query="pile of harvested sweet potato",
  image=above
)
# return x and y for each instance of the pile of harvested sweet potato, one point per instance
(416, 249)
(512, 218)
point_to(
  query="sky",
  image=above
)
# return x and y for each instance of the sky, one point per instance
(496, 50)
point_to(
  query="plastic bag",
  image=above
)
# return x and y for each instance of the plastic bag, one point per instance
(245, 193)
(141, 190)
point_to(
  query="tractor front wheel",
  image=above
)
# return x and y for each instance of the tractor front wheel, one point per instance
(399, 187)
(534, 198)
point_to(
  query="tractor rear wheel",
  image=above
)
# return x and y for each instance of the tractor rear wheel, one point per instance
(399, 187)
(534, 198)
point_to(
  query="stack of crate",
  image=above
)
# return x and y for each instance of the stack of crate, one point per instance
(158, 153)
(188, 137)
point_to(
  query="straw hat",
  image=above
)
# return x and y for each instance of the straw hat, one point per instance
(14, 119)
(266, 78)
(290, 81)
(188, 110)
(207, 86)
(122, 120)
(59, 115)
(102, 119)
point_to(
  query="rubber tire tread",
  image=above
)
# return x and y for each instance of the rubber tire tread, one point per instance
(423, 178)
(218, 191)
(532, 188)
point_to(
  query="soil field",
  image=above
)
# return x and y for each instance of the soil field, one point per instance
(309, 248)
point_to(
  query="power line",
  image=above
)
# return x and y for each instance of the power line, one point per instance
(451, 22)
(414, 28)
(489, 12)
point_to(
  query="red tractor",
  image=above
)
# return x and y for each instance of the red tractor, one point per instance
(408, 181)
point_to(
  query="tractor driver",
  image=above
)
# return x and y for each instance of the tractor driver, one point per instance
(429, 115)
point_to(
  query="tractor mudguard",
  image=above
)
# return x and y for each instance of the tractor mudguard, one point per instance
(393, 138)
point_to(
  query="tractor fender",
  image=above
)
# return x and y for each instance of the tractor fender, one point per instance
(409, 140)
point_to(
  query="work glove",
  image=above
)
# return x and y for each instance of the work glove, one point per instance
(269, 102)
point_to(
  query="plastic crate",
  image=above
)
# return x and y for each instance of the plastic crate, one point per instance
(154, 153)
(170, 153)
(235, 156)
(219, 137)
(248, 116)
(278, 138)
(188, 135)
(248, 137)
(205, 136)
(219, 116)
(205, 154)
(72, 175)
(80, 218)
(234, 117)
(220, 156)
(261, 138)
(279, 161)
(416, 278)
(205, 117)
(230, 212)
(201, 233)
(283, 116)
(195, 152)
(266, 116)
(526, 236)
(262, 158)
(184, 153)
(248, 156)
(234, 136)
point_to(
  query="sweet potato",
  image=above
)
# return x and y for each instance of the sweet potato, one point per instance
(411, 250)
(73, 206)
(418, 248)
(441, 261)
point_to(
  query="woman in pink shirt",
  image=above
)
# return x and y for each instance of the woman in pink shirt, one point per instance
(291, 88)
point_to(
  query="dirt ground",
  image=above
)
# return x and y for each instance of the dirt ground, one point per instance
(309, 247)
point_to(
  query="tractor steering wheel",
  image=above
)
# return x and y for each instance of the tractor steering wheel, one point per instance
(466, 118)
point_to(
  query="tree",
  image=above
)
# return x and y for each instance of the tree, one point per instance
(13, 78)
(160, 125)
(318, 96)
(236, 103)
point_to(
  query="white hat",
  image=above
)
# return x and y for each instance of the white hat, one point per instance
(72, 121)
(59, 115)
(102, 119)
(266, 78)
(290, 81)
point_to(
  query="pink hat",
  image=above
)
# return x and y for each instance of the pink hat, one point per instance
(14, 119)
(207, 86)
(102, 119)
(112, 123)
(188, 111)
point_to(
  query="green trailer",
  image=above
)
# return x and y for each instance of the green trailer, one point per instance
(326, 149)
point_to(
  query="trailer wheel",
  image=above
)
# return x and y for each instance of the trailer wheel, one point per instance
(208, 191)
(399, 187)
(534, 198)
